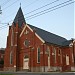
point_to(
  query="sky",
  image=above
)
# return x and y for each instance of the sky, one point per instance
(60, 21)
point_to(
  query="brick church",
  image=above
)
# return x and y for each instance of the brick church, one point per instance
(33, 49)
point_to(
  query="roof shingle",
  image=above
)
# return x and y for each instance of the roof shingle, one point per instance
(19, 18)
(50, 37)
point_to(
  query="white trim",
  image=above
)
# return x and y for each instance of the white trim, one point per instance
(25, 63)
(12, 35)
(32, 31)
(14, 65)
(29, 28)
(16, 32)
(23, 30)
(73, 41)
(48, 57)
(15, 45)
(67, 59)
(52, 53)
(39, 37)
(71, 44)
(41, 52)
(37, 55)
(11, 58)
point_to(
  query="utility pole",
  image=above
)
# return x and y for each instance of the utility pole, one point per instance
(0, 10)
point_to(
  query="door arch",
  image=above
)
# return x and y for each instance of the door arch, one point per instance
(26, 62)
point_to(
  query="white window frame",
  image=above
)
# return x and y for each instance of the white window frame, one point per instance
(11, 36)
(59, 53)
(11, 57)
(26, 41)
(26, 32)
(67, 59)
(54, 53)
(37, 54)
(48, 50)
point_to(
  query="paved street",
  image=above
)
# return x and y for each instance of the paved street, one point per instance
(30, 73)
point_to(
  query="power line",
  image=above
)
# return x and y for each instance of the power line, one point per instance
(10, 5)
(15, 2)
(5, 2)
(3, 23)
(51, 10)
(31, 3)
(44, 10)
(42, 7)
(3, 27)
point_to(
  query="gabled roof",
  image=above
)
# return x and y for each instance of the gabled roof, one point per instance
(19, 18)
(66, 43)
(50, 37)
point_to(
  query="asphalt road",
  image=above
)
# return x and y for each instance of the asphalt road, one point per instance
(30, 73)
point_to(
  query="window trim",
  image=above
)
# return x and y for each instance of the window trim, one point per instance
(26, 41)
(54, 54)
(11, 58)
(59, 52)
(26, 32)
(67, 59)
(37, 55)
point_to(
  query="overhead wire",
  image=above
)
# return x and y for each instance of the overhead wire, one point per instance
(39, 8)
(30, 4)
(10, 5)
(49, 8)
(27, 18)
(6, 2)
(25, 6)
(52, 9)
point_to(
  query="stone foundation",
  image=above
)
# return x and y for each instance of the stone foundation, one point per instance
(20, 68)
(36, 69)
(72, 68)
(45, 69)
(56, 69)
(12, 69)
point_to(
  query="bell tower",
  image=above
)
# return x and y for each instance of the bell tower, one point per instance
(19, 18)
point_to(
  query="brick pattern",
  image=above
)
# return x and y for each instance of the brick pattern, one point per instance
(20, 51)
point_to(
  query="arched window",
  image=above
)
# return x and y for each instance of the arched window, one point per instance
(48, 51)
(26, 43)
(38, 55)
(11, 57)
(67, 59)
(54, 54)
(12, 37)
(26, 56)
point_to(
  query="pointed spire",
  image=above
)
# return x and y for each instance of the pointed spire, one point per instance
(19, 18)
(20, 4)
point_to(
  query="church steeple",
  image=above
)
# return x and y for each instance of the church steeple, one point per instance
(19, 18)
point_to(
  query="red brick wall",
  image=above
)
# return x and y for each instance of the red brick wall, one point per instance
(20, 50)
